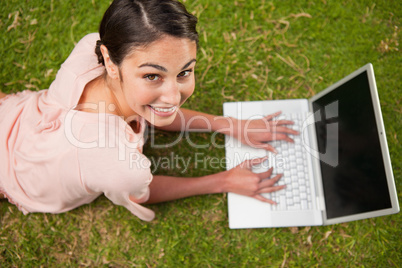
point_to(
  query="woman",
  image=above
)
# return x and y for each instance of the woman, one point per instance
(65, 146)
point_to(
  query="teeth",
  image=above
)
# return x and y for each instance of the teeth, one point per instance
(164, 110)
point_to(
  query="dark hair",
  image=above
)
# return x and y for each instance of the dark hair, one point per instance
(131, 23)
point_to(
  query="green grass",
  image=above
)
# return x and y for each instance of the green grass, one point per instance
(250, 50)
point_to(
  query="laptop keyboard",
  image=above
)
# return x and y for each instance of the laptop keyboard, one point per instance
(291, 161)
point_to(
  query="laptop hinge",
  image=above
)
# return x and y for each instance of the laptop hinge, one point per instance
(320, 203)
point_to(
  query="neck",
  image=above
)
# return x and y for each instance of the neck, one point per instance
(114, 105)
(116, 100)
(110, 93)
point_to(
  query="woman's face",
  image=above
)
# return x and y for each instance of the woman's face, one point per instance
(157, 79)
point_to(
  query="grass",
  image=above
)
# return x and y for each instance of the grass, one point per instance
(250, 50)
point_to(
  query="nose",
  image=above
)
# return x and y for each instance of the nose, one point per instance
(171, 93)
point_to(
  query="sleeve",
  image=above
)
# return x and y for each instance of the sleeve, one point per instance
(80, 67)
(124, 178)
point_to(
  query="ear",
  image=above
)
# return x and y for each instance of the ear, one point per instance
(111, 68)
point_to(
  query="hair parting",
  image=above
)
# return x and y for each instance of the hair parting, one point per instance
(128, 24)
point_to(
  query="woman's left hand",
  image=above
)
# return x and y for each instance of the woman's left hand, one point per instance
(258, 132)
(242, 180)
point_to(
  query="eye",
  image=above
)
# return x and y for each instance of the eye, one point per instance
(152, 77)
(184, 73)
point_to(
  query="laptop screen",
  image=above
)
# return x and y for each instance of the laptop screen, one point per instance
(353, 173)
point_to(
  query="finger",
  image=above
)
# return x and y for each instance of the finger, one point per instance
(266, 174)
(249, 163)
(272, 134)
(278, 137)
(269, 117)
(263, 199)
(282, 129)
(282, 137)
(270, 182)
(267, 147)
(271, 189)
(282, 122)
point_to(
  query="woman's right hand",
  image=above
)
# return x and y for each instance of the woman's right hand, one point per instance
(241, 180)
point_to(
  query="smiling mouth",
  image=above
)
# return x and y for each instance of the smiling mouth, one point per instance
(163, 111)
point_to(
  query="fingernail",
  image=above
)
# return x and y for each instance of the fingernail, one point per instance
(272, 149)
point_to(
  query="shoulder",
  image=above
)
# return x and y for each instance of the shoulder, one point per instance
(88, 40)
(78, 69)
(83, 56)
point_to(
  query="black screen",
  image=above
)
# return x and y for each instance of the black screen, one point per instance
(352, 168)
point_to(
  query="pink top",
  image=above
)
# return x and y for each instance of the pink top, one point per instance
(54, 158)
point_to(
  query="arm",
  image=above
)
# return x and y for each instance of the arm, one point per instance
(189, 120)
(240, 180)
(255, 133)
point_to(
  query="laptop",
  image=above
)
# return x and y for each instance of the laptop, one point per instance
(337, 170)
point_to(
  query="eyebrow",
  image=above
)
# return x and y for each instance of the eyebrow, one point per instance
(163, 69)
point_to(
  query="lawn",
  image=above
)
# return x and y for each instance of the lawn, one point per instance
(249, 50)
